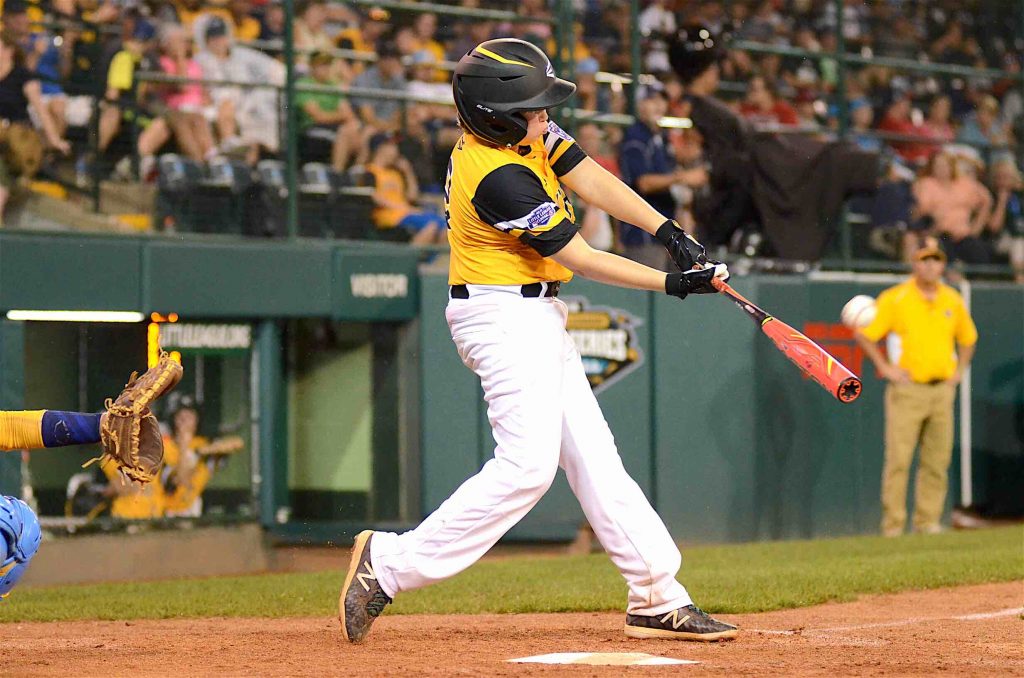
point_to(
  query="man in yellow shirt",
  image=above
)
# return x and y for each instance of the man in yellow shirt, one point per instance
(937, 338)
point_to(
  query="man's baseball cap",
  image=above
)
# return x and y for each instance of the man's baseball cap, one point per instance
(931, 250)
(216, 28)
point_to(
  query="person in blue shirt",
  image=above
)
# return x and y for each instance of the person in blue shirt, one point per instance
(648, 167)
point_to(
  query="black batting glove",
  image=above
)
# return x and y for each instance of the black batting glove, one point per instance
(697, 281)
(684, 250)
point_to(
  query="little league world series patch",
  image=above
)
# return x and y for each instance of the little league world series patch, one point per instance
(606, 339)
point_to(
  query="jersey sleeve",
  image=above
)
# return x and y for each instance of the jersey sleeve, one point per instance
(512, 200)
(563, 151)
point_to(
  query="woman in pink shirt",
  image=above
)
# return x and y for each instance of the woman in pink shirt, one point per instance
(957, 209)
(185, 103)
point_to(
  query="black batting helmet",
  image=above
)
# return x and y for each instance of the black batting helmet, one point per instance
(497, 81)
(693, 50)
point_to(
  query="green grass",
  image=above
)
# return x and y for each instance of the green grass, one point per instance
(736, 578)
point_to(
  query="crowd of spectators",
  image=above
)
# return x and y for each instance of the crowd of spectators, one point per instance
(84, 55)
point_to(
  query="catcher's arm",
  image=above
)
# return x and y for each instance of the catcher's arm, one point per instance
(34, 429)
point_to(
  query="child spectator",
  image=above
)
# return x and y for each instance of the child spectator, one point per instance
(328, 116)
(395, 191)
(119, 106)
(185, 104)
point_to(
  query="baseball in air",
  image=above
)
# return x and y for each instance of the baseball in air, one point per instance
(858, 312)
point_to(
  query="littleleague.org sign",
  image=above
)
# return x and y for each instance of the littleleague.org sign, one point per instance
(194, 336)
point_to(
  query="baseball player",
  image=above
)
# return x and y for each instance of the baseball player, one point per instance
(513, 244)
(127, 431)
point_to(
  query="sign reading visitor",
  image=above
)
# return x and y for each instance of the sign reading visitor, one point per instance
(202, 337)
(379, 285)
(606, 339)
(373, 286)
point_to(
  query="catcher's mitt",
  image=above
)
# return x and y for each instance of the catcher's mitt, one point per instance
(129, 432)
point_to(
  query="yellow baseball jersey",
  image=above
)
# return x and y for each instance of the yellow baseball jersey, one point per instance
(507, 212)
(928, 330)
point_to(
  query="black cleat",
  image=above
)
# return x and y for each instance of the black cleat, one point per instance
(362, 599)
(686, 623)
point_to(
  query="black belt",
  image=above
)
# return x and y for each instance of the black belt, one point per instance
(532, 290)
(933, 382)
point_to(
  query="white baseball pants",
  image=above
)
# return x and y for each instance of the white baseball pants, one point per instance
(543, 415)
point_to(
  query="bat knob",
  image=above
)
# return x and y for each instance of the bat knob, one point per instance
(849, 390)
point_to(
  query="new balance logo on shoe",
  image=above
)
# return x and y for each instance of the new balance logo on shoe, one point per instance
(363, 576)
(676, 621)
(683, 623)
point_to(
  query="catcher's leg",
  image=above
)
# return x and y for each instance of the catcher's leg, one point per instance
(33, 429)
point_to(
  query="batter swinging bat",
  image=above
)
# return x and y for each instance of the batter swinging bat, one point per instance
(812, 359)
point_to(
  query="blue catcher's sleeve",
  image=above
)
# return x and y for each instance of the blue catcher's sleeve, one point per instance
(32, 429)
(19, 541)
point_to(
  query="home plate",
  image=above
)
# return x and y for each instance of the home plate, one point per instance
(602, 659)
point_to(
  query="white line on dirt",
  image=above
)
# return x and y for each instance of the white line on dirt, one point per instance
(1009, 612)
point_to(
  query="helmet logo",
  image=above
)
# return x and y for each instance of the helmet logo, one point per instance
(550, 71)
(484, 108)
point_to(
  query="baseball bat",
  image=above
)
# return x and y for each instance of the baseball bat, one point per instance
(813, 360)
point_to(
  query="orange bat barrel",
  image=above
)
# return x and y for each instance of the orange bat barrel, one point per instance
(815, 361)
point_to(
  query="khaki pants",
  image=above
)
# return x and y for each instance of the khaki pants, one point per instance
(916, 413)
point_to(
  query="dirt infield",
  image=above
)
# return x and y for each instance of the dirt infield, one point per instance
(974, 630)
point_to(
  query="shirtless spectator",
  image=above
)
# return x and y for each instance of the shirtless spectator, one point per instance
(955, 208)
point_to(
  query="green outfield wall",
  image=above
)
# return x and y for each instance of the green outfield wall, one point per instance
(722, 432)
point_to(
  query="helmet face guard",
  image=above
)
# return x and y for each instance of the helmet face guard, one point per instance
(498, 81)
